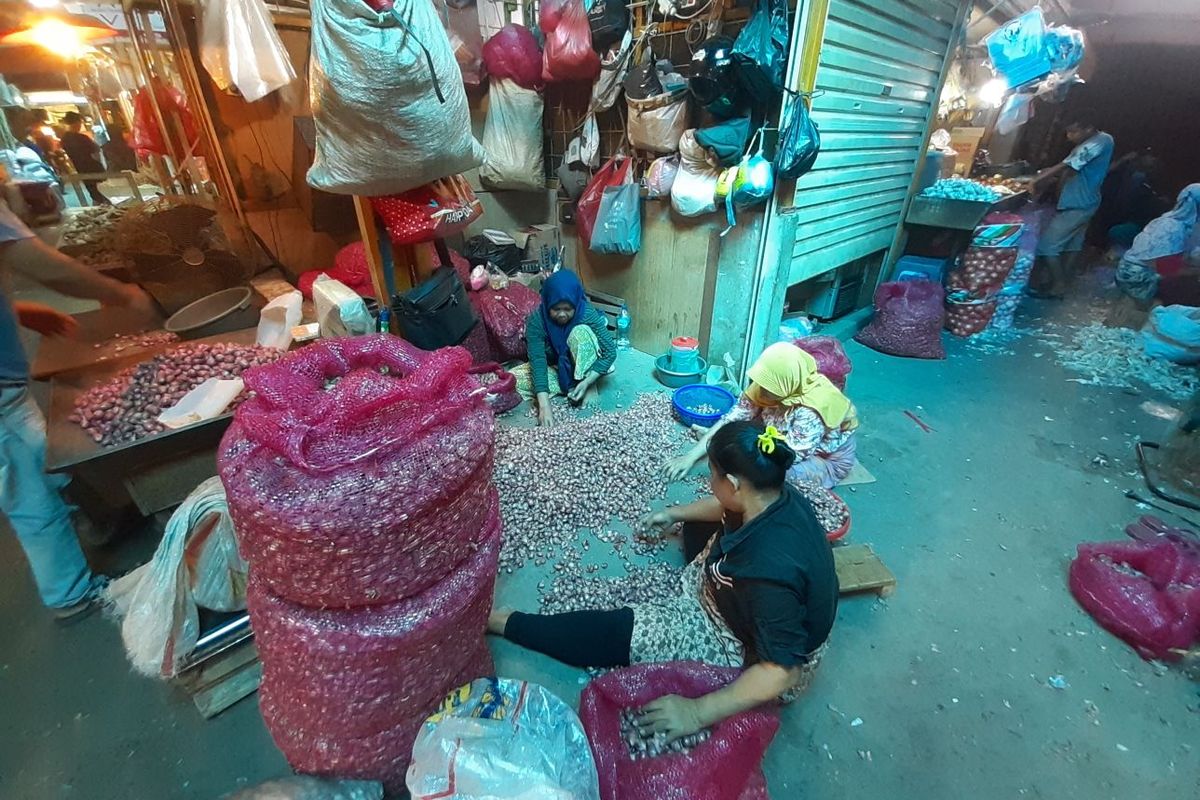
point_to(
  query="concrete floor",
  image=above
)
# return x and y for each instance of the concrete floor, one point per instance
(978, 520)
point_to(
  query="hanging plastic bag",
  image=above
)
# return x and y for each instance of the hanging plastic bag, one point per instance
(760, 53)
(619, 220)
(799, 140)
(385, 131)
(1017, 48)
(433, 211)
(569, 55)
(614, 66)
(657, 123)
(693, 192)
(502, 739)
(613, 173)
(513, 53)
(550, 14)
(754, 180)
(241, 49)
(512, 138)
(462, 27)
(660, 176)
(196, 563)
(147, 136)
(589, 142)
(1017, 110)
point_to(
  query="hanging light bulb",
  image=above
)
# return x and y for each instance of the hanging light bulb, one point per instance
(67, 35)
(992, 93)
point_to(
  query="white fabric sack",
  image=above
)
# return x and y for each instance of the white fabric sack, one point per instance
(693, 192)
(241, 49)
(512, 138)
(657, 123)
(158, 600)
(1173, 333)
(381, 127)
(340, 309)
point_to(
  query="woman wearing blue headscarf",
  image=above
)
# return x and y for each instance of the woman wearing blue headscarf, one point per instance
(569, 334)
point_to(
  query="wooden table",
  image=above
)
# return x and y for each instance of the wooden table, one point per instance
(94, 343)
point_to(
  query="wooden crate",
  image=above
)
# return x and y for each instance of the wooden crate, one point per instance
(219, 682)
(860, 570)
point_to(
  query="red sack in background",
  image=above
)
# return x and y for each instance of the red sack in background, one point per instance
(513, 53)
(433, 211)
(147, 136)
(569, 55)
(358, 469)
(908, 320)
(504, 312)
(588, 206)
(501, 386)
(479, 344)
(831, 358)
(721, 768)
(550, 13)
(1147, 593)
(349, 267)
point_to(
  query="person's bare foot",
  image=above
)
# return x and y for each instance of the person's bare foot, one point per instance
(498, 621)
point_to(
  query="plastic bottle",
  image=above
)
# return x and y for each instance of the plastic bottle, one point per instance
(624, 323)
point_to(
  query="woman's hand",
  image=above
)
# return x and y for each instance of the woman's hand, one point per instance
(677, 468)
(579, 393)
(45, 320)
(658, 521)
(672, 715)
(545, 416)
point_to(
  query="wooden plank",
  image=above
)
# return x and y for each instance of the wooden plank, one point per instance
(809, 265)
(235, 687)
(903, 31)
(868, 42)
(859, 569)
(370, 238)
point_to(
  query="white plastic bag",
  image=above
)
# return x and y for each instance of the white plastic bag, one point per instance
(512, 138)
(657, 123)
(340, 310)
(694, 190)
(241, 49)
(276, 320)
(196, 563)
(1173, 333)
(660, 176)
(387, 98)
(502, 739)
(207, 401)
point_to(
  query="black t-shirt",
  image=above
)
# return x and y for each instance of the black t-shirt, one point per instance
(84, 152)
(774, 582)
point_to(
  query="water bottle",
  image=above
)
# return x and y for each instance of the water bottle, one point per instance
(624, 321)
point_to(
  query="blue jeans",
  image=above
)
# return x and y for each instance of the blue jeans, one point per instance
(33, 503)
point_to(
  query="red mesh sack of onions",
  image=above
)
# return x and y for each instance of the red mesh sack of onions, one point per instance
(359, 470)
(969, 318)
(382, 756)
(908, 320)
(831, 358)
(504, 312)
(983, 269)
(721, 768)
(501, 386)
(355, 671)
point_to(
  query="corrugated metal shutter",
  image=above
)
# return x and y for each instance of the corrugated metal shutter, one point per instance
(880, 67)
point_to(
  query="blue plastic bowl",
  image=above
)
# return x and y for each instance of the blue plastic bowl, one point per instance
(690, 397)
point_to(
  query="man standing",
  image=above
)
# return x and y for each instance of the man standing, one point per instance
(84, 153)
(30, 499)
(1082, 173)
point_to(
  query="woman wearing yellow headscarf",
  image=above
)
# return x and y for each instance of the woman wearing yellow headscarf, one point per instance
(788, 392)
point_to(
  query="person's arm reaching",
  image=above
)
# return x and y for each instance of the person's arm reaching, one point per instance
(40, 262)
(535, 345)
(678, 467)
(1048, 172)
(680, 716)
(707, 509)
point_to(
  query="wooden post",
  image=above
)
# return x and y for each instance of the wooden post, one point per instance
(370, 240)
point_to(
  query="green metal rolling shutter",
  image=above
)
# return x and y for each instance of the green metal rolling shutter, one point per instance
(880, 68)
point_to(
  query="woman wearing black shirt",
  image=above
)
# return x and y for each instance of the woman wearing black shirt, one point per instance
(760, 591)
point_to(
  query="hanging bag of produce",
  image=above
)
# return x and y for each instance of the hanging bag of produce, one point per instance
(614, 173)
(760, 53)
(619, 221)
(608, 21)
(693, 192)
(241, 49)
(799, 139)
(512, 138)
(385, 131)
(655, 124)
(569, 55)
(433, 211)
(513, 53)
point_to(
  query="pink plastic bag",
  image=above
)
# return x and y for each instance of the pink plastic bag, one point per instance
(722, 768)
(513, 53)
(504, 312)
(832, 361)
(1147, 593)
(358, 470)
(908, 320)
(569, 55)
(550, 13)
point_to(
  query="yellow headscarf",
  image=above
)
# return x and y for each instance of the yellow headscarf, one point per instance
(791, 374)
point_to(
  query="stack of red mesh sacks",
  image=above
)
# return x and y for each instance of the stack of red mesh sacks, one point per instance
(359, 478)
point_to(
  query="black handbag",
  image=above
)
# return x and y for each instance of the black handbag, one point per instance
(436, 313)
(608, 20)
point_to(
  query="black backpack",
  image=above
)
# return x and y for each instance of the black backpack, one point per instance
(608, 19)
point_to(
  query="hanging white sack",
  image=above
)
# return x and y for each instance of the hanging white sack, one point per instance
(512, 138)
(693, 192)
(241, 49)
(387, 99)
(657, 123)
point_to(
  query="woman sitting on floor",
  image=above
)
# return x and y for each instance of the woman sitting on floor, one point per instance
(760, 591)
(567, 333)
(789, 393)
(1159, 250)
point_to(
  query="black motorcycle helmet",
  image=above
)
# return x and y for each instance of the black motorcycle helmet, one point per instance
(714, 78)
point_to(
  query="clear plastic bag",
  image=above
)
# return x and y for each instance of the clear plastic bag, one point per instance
(512, 138)
(660, 176)
(502, 739)
(241, 49)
